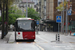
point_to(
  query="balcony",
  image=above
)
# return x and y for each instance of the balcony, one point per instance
(39, 3)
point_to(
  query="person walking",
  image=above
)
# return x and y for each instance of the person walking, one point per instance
(11, 27)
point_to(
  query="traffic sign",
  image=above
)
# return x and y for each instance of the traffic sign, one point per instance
(58, 19)
(69, 12)
(37, 22)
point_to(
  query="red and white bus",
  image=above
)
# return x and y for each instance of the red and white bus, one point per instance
(25, 29)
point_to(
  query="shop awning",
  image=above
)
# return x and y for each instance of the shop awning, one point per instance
(48, 21)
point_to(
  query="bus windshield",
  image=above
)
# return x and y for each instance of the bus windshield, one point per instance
(25, 25)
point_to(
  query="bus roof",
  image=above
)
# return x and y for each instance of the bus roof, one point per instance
(24, 19)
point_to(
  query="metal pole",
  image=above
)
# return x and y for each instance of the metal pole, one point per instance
(61, 22)
(27, 9)
(63, 17)
(7, 17)
(37, 29)
(66, 20)
(58, 28)
(58, 33)
(45, 9)
(3, 22)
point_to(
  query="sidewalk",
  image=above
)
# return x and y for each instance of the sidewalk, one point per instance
(51, 37)
(6, 38)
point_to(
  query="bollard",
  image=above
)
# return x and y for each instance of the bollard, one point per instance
(58, 37)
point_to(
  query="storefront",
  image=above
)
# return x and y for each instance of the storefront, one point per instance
(49, 25)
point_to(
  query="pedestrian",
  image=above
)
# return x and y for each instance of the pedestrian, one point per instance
(11, 27)
(70, 32)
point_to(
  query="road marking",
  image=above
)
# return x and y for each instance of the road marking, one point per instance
(44, 39)
(38, 46)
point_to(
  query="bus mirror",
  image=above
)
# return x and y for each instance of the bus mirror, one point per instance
(35, 23)
(15, 24)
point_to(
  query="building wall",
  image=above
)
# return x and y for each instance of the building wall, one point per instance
(42, 9)
(50, 9)
(55, 13)
(73, 10)
(47, 9)
(22, 5)
(69, 16)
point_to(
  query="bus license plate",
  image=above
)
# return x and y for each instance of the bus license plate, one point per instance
(25, 38)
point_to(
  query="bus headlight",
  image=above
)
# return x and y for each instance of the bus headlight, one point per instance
(19, 33)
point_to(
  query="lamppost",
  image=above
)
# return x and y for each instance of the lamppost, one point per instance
(66, 19)
(6, 17)
(45, 9)
(26, 8)
(3, 21)
(63, 17)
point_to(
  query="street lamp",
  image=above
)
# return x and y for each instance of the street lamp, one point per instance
(63, 17)
(45, 10)
(26, 8)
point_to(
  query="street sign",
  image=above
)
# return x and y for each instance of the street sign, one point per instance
(69, 12)
(58, 19)
(37, 22)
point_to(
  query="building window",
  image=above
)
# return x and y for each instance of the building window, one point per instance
(40, 3)
(44, 0)
(28, 5)
(44, 7)
(37, 4)
(37, 9)
(34, 6)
